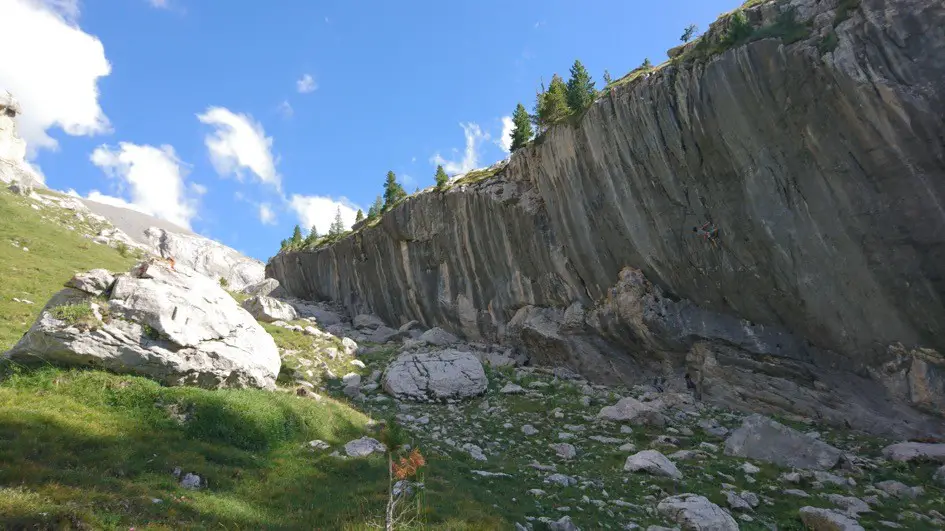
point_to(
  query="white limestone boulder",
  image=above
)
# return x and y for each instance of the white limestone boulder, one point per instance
(174, 326)
(434, 376)
(268, 309)
(696, 513)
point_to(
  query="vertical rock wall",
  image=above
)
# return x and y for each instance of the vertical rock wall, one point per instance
(823, 170)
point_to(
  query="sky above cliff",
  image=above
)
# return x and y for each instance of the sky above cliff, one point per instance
(240, 119)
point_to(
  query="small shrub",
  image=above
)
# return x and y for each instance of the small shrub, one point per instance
(844, 10)
(224, 283)
(150, 332)
(73, 313)
(739, 30)
(828, 43)
(122, 249)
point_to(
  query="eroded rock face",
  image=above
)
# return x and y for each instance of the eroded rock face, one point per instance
(207, 257)
(443, 375)
(766, 440)
(177, 327)
(793, 153)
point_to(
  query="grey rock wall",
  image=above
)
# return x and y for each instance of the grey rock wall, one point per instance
(824, 172)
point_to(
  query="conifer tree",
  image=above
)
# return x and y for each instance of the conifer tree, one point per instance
(647, 65)
(337, 226)
(607, 78)
(297, 236)
(359, 217)
(553, 104)
(689, 32)
(375, 209)
(580, 89)
(313, 234)
(522, 130)
(393, 191)
(441, 177)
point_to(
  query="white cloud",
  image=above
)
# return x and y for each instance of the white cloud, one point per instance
(474, 138)
(306, 84)
(266, 214)
(238, 142)
(505, 141)
(320, 211)
(286, 110)
(154, 179)
(52, 67)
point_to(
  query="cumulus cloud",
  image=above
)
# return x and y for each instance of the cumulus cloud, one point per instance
(153, 180)
(505, 141)
(475, 136)
(52, 67)
(306, 84)
(319, 211)
(266, 214)
(286, 110)
(239, 143)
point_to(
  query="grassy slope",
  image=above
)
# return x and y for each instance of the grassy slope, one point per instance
(91, 450)
(55, 254)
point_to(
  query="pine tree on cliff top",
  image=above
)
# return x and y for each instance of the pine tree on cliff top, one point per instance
(393, 191)
(553, 104)
(580, 89)
(522, 127)
(441, 177)
(338, 225)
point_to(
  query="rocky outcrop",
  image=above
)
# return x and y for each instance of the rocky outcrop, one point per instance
(207, 257)
(820, 161)
(175, 326)
(13, 165)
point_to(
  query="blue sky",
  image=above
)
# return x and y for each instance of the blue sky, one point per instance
(244, 118)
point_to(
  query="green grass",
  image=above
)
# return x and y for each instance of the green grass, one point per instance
(55, 254)
(475, 176)
(738, 31)
(73, 313)
(96, 448)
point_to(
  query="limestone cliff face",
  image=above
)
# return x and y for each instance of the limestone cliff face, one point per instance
(823, 170)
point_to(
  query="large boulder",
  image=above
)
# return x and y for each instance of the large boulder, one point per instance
(631, 410)
(177, 327)
(269, 310)
(766, 440)
(207, 257)
(438, 337)
(818, 519)
(915, 451)
(652, 462)
(696, 513)
(447, 374)
(267, 287)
